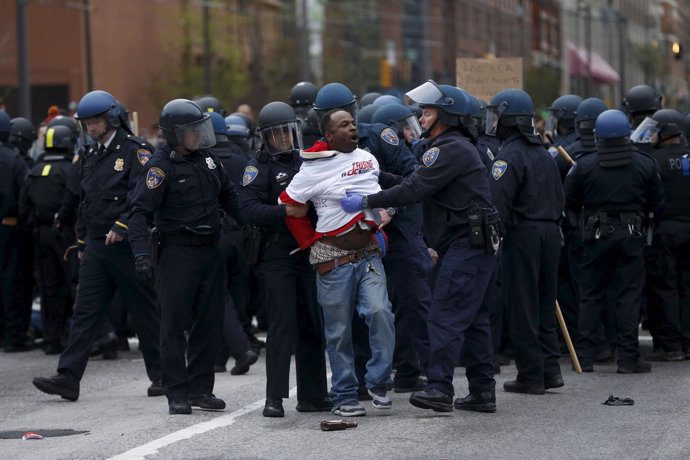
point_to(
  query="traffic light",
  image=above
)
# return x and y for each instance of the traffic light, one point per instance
(677, 51)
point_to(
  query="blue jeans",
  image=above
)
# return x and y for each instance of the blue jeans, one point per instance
(340, 292)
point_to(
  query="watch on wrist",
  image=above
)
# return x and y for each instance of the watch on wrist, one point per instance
(365, 201)
(391, 211)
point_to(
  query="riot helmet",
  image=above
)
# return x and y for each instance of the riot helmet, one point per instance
(612, 124)
(511, 108)
(22, 133)
(124, 117)
(641, 101)
(5, 126)
(280, 128)
(665, 124)
(184, 124)
(94, 106)
(612, 131)
(387, 99)
(59, 137)
(585, 117)
(219, 127)
(236, 126)
(368, 99)
(335, 96)
(454, 105)
(364, 115)
(210, 104)
(562, 115)
(400, 118)
(478, 111)
(303, 93)
(63, 120)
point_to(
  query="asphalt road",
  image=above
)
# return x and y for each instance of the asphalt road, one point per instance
(120, 419)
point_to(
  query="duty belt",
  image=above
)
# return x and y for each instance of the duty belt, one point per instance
(189, 239)
(326, 267)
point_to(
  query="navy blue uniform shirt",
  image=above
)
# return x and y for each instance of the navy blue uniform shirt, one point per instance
(13, 169)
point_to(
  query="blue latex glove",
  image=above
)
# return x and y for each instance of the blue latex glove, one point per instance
(381, 241)
(352, 202)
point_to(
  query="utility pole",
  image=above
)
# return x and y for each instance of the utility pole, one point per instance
(588, 39)
(306, 65)
(207, 48)
(87, 45)
(622, 38)
(23, 64)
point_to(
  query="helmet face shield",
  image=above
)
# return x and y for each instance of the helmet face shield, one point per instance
(196, 135)
(492, 114)
(92, 129)
(410, 127)
(647, 132)
(282, 138)
(426, 93)
(551, 125)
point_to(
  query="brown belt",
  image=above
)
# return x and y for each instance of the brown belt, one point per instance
(9, 221)
(325, 267)
(356, 238)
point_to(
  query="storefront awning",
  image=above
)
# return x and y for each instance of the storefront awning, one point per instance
(602, 72)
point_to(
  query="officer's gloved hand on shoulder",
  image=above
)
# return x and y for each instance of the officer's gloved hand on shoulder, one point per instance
(144, 268)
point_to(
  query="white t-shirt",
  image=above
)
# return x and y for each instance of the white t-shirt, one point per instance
(324, 182)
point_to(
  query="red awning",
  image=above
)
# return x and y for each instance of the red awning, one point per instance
(602, 72)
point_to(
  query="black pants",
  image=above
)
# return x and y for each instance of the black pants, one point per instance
(57, 293)
(530, 267)
(613, 265)
(191, 283)
(294, 323)
(668, 286)
(11, 290)
(103, 270)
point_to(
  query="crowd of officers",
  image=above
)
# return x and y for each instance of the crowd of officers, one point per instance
(492, 222)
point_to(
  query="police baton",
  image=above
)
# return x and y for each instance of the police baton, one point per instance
(559, 314)
(135, 123)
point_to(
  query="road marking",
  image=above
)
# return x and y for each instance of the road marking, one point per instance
(151, 448)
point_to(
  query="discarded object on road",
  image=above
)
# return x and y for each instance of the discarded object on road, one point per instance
(615, 401)
(335, 425)
(31, 435)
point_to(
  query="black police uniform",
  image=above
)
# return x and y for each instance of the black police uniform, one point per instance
(668, 261)
(528, 194)
(107, 177)
(12, 172)
(407, 264)
(294, 318)
(183, 195)
(451, 182)
(40, 200)
(235, 339)
(613, 258)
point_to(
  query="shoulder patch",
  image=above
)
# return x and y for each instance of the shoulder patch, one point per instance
(389, 136)
(250, 173)
(154, 177)
(430, 156)
(498, 169)
(143, 156)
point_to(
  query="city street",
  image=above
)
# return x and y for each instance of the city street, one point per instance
(120, 421)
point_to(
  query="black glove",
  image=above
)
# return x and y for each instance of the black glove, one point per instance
(144, 268)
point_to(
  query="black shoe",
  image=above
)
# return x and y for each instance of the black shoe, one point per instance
(243, 364)
(639, 367)
(324, 405)
(662, 355)
(219, 368)
(478, 402)
(603, 357)
(52, 348)
(586, 367)
(409, 387)
(179, 406)
(363, 394)
(515, 386)
(433, 399)
(156, 389)
(60, 384)
(105, 343)
(18, 347)
(208, 402)
(553, 381)
(274, 408)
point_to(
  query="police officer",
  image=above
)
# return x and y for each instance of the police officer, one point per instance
(487, 145)
(13, 170)
(302, 97)
(234, 341)
(456, 200)
(237, 132)
(527, 191)
(288, 279)
(182, 193)
(613, 217)
(22, 137)
(40, 200)
(409, 295)
(560, 128)
(108, 173)
(668, 258)
(211, 104)
(640, 102)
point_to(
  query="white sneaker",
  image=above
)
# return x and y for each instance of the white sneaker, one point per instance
(380, 401)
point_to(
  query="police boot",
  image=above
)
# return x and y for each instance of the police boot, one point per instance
(208, 402)
(515, 386)
(273, 408)
(179, 406)
(639, 367)
(553, 381)
(484, 401)
(243, 364)
(60, 384)
(156, 388)
(433, 399)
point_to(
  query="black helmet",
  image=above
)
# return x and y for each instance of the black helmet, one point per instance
(22, 131)
(642, 98)
(562, 114)
(210, 104)
(280, 129)
(179, 118)
(670, 123)
(63, 120)
(124, 117)
(59, 137)
(303, 93)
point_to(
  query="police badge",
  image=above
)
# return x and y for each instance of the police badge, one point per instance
(390, 137)
(119, 164)
(250, 173)
(430, 156)
(143, 156)
(498, 169)
(154, 177)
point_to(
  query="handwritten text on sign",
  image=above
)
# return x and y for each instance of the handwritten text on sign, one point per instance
(483, 78)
